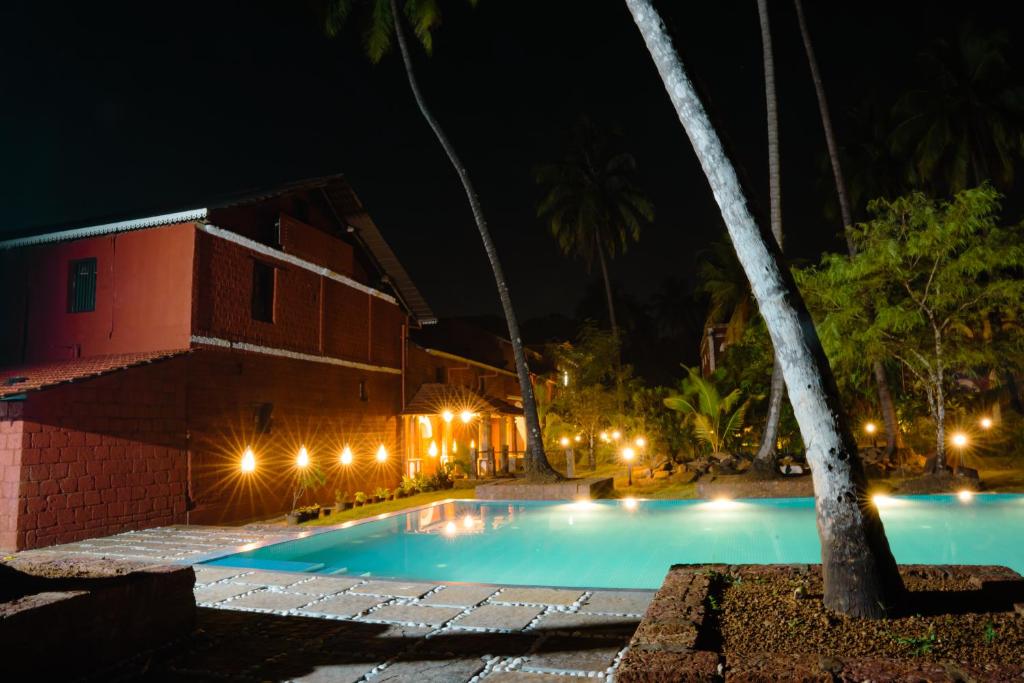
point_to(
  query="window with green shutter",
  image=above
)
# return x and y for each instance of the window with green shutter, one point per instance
(82, 286)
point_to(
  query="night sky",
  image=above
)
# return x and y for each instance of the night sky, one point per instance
(114, 110)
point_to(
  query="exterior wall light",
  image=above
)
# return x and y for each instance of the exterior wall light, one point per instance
(248, 461)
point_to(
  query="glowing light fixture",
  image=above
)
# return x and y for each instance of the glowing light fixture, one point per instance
(870, 428)
(723, 503)
(382, 453)
(965, 495)
(881, 500)
(467, 522)
(564, 441)
(959, 439)
(578, 438)
(985, 422)
(302, 459)
(346, 456)
(248, 461)
(466, 416)
(432, 450)
(628, 454)
(616, 435)
(447, 416)
(450, 529)
(629, 503)
(455, 446)
(640, 442)
(565, 378)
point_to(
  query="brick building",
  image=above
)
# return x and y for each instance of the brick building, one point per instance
(140, 359)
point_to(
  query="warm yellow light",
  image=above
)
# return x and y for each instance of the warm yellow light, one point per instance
(882, 500)
(432, 450)
(965, 495)
(723, 503)
(959, 439)
(455, 446)
(382, 453)
(346, 456)
(564, 441)
(466, 416)
(248, 461)
(640, 442)
(629, 503)
(985, 422)
(302, 459)
(578, 438)
(472, 444)
(616, 435)
(565, 378)
(450, 529)
(628, 454)
(870, 428)
(467, 521)
(447, 416)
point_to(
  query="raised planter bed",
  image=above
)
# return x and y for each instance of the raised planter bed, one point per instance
(62, 620)
(570, 489)
(749, 623)
(739, 486)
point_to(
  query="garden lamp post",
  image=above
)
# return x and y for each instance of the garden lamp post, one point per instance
(872, 429)
(570, 457)
(628, 454)
(985, 423)
(959, 441)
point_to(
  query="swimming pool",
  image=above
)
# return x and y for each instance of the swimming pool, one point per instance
(631, 544)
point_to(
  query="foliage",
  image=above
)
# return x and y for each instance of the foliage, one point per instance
(360, 498)
(381, 493)
(927, 279)
(730, 301)
(306, 478)
(716, 419)
(408, 485)
(340, 496)
(441, 479)
(966, 124)
(665, 431)
(378, 29)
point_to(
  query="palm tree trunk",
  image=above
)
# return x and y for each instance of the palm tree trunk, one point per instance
(764, 461)
(860, 574)
(537, 465)
(607, 289)
(885, 401)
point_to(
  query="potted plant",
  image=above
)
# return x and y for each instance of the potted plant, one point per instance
(408, 486)
(360, 498)
(341, 500)
(381, 494)
(308, 477)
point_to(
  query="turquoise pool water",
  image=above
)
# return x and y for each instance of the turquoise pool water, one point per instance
(631, 544)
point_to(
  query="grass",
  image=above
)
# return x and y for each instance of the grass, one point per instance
(374, 509)
(641, 488)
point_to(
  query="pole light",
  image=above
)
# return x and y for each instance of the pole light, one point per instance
(959, 441)
(628, 454)
(872, 429)
(985, 422)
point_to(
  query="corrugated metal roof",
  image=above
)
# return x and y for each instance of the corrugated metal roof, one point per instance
(66, 234)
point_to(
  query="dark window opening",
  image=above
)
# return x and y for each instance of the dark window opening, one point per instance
(82, 286)
(362, 390)
(439, 375)
(481, 385)
(263, 418)
(264, 278)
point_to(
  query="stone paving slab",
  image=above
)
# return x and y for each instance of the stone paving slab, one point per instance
(323, 585)
(588, 624)
(221, 591)
(618, 602)
(281, 579)
(414, 614)
(395, 588)
(563, 654)
(213, 574)
(344, 605)
(414, 670)
(271, 600)
(484, 643)
(539, 596)
(524, 677)
(508, 618)
(460, 595)
(333, 673)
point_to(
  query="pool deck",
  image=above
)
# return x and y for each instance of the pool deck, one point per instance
(256, 625)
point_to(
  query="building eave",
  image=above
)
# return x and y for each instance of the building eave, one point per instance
(105, 229)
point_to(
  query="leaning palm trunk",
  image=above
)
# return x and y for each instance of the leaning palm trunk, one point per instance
(764, 461)
(860, 573)
(537, 465)
(881, 381)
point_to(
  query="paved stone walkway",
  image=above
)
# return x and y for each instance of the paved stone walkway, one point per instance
(284, 626)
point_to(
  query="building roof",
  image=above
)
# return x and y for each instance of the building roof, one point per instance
(348, 211)
(434, 398)
(20, 379)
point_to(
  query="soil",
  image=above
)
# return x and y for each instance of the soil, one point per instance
(948, 616)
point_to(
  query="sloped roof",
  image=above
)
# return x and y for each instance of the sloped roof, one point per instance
(20, 379)
(433, 398)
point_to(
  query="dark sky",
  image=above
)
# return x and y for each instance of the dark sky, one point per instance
(120, 109)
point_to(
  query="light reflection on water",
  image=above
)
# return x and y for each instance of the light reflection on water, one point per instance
(631, 544)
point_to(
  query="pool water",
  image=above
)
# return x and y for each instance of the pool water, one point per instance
(631, 544)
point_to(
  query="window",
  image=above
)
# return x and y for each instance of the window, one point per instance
(362, 390)
(82, 286)
(263, 280)
(263, 417)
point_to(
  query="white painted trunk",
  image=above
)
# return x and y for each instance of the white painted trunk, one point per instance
(860, 573)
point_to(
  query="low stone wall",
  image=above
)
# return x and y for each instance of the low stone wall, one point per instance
(570, 489)
(744, 487)
(67, 619)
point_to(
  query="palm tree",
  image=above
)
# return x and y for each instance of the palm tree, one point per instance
(966, 125)
(723, 281)
(859, 571)
(385, 25)
(716, 419)
(592, 204)
(764, 461)
(885, 401)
